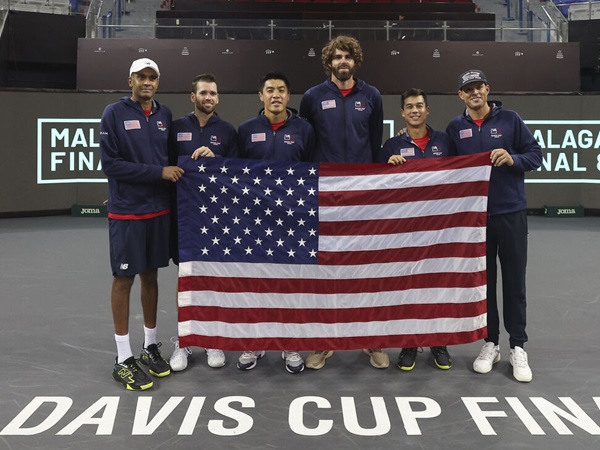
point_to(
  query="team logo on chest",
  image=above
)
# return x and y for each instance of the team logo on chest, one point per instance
(289, 139)
(215, 140)
(436, 150)
(359, 105)
(161, 126)
(496, 133)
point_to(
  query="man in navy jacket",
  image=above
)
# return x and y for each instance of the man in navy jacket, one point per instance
(201, 133)
(487, 127)
(347, 115)
(277, 133)
(134, 136)
(419, 141)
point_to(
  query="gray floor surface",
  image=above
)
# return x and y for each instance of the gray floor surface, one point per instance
(57, 352)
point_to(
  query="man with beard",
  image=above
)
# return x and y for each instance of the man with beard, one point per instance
(347, 115)
(417, 142)
(134, 135)
(487, 127)
(200, 133)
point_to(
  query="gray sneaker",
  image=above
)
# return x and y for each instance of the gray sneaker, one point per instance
(293, 361)
(248, 359)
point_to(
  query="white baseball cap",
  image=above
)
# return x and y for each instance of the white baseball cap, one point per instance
(141, 64)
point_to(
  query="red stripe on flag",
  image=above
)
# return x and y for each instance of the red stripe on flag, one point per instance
(384, 196)
(346, 343)
(408, 225)
(341, 315)
(456, 250)
(328, 286)
(433, 165)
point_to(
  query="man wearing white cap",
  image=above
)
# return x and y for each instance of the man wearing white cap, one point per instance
(134, 136)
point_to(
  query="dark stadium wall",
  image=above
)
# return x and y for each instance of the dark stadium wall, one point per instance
(40, 50)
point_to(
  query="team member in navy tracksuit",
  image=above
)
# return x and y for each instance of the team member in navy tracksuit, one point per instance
(419, 141)
(201, 133)
(277, 133)
(483, 127)
(134, 136)
(347, 115)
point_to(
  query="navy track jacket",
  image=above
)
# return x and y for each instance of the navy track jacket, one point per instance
(348, 129)
(134, 150)
(505, 129)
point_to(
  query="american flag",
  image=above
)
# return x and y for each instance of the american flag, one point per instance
(278, 255)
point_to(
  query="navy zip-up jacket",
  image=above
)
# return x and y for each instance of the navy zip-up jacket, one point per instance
(134, 150)
(348, 129)
(218, 135)
(439, 145)
(505, 129)
(294, 141)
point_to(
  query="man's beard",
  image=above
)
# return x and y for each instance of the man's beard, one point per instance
(347, 76)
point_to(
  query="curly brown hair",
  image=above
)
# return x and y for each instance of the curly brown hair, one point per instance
(344, 43)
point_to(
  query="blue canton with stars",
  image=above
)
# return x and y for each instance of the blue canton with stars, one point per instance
(237, 210)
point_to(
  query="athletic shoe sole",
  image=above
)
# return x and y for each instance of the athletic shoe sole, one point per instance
(252, 365)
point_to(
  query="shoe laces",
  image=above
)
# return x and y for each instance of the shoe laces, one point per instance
(132, 366)
(441, 350)
(410, 350)
(210, 351)
(154, 353)
(292, 356)
(487, 352)
(520, 358)
(250, 354)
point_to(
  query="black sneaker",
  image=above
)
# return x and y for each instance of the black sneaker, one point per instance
(152, 358)
(407, 358)
(129, 374)
(441, 357)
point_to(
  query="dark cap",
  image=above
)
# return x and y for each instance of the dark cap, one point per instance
(471, 76)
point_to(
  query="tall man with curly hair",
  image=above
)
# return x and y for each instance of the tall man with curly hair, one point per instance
(347, 116)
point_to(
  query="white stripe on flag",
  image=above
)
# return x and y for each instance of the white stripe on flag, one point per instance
(401, 240)
(425, 296)
(335, 330)
(402, 210)
(403, 180)
(307, 271)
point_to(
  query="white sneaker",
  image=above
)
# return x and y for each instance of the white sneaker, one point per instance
(488, 356)
(293, 362)
(247, 360)
(521, 370)
(179, 357)
(215, 358)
